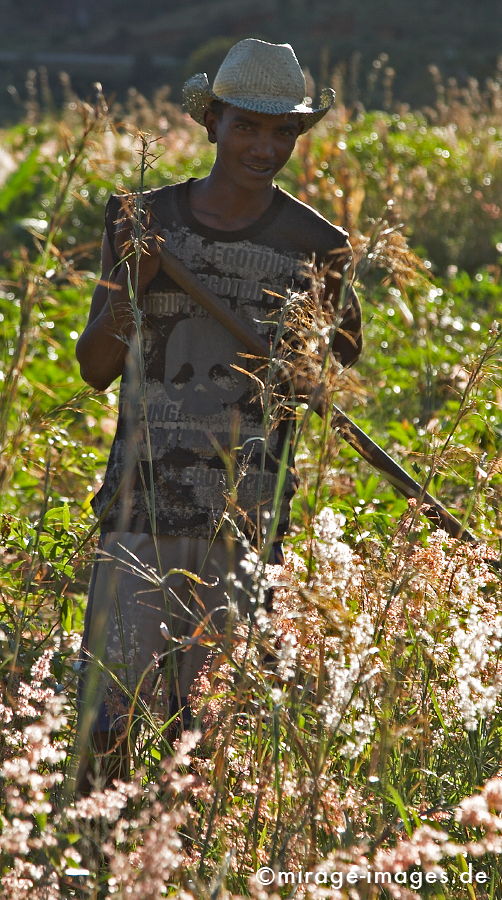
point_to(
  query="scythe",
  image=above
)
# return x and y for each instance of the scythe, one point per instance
(355, 436)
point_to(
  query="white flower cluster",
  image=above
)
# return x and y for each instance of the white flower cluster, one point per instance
(287, 656)
(477, 643)
(257, 579)
(337, 564)
(346, 676)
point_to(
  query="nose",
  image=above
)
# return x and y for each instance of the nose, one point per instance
(262, 149)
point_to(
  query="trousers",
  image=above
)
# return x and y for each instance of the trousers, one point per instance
(156, 603)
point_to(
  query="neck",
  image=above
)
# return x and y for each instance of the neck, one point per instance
(219, 202)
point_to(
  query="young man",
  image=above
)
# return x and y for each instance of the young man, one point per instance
(191, 451)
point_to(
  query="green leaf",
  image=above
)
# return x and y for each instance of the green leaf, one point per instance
(66, 517)
(41, 820)
(19, 181)
(398, 802)
(437, 710)
(67, 614)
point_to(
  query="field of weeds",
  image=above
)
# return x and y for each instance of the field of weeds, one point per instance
(348, 743)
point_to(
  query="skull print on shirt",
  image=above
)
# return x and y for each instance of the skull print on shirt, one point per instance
(198, 367)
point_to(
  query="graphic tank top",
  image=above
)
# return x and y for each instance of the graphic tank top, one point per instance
(191, 447)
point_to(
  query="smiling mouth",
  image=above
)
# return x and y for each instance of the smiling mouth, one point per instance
(260, 170)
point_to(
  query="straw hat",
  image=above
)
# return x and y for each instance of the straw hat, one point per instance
(258, 76)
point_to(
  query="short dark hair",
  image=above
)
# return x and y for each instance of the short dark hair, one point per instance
(217, 107)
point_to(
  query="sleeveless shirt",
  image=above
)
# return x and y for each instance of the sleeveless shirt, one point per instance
(190, 444)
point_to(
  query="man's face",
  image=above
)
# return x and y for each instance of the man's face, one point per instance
(252, 147)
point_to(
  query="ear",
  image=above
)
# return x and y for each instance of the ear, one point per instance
(210, 119)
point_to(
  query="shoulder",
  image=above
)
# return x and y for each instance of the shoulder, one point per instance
(127, 201)
(156, 204)
(303, 213)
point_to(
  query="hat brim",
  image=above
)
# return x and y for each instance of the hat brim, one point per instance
(198, 96)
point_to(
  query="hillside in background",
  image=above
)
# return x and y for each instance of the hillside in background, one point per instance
(120, 43)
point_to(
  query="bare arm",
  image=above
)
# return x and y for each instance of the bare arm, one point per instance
(348, 341)
(102, 347)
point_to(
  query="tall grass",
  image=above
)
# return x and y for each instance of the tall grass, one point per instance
(356, 729)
